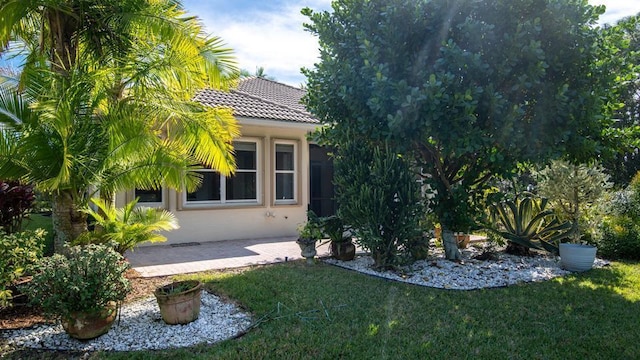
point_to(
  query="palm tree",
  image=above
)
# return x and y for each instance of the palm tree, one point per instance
(104, 100)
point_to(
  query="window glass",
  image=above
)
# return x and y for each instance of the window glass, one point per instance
(284, 157)
(285, 174)
(148, 196)
(284, 186)
(209, 190)
(242, 185)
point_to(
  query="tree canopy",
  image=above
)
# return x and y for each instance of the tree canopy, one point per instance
(470, 88)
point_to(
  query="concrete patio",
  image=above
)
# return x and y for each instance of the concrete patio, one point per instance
(162, 260)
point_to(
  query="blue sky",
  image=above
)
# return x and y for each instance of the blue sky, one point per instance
(270, 33)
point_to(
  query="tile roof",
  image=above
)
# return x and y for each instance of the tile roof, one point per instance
(261, 99)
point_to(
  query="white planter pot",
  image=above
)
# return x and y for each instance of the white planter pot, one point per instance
(577, 257)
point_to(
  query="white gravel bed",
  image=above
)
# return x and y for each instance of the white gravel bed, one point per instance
(470, 274)
(141, 327)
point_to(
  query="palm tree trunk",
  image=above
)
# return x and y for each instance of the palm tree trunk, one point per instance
(68, 221)
(450, 245)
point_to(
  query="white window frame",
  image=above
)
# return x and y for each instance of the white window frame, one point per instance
(223, 184)
(295, 171)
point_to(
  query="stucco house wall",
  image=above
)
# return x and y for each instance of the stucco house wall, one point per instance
(266, 217)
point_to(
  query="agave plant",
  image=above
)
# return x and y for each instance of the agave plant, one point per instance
(526, 221)
(128, 226)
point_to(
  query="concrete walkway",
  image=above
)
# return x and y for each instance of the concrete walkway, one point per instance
(162, 260)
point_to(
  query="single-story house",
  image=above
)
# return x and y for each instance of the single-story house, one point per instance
(279, 175)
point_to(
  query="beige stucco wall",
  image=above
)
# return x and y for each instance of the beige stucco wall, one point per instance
(265, 220)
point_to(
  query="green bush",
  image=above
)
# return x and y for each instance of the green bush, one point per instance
(18, 253)
(621, 239)
(621, 227)
(379, 198)
(84, 279)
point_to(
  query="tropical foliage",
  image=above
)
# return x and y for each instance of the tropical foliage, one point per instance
(15, 202)
(104, 101)
(572, 190)
(528, 222)
(379, 197)
(126, 227)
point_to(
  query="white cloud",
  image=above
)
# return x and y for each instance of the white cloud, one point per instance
(274, 40)
(617, 9)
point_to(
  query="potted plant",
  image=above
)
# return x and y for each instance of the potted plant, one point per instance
(573, 189)
(179, 302)
(81, 288)
(342, 247)
(308, 236)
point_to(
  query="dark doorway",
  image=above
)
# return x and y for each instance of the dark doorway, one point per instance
(321, 178)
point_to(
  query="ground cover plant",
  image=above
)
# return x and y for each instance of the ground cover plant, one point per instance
(324, 312)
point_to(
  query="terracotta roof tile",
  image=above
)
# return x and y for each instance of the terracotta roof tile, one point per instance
(262, 99)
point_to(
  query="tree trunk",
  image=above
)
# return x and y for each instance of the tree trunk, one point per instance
(68, 221)
(450, 245)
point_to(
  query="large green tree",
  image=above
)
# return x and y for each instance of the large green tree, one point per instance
(103, 101)
(470, 88)
(624, 39)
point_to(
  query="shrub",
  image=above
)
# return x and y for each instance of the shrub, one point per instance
(379, 198)
(127, 227)
(15, 202)
(528, 222)
(83, 279)
(18, 253)
(621, 227)
(621, 239)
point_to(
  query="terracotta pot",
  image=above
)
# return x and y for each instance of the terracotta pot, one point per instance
(577, 257)
(179, 306)
(344, 251)
(462, 240)
(89, 325)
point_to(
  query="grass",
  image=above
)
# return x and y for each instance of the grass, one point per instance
(35, 221)
(324, 312)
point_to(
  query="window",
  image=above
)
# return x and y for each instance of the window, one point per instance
(241, 187)
(148, 196)
(285, 173)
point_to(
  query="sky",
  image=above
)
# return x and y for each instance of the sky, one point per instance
(270, 34)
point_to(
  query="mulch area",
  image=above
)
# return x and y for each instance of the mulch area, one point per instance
(22, 315)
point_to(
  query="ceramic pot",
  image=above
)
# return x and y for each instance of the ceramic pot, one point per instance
(344, 251)
(89, 325)
(577, 257)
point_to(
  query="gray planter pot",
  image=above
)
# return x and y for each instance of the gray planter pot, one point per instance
(577, 257)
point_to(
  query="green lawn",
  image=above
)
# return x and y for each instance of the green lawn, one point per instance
(35, 221)
(324, 312)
